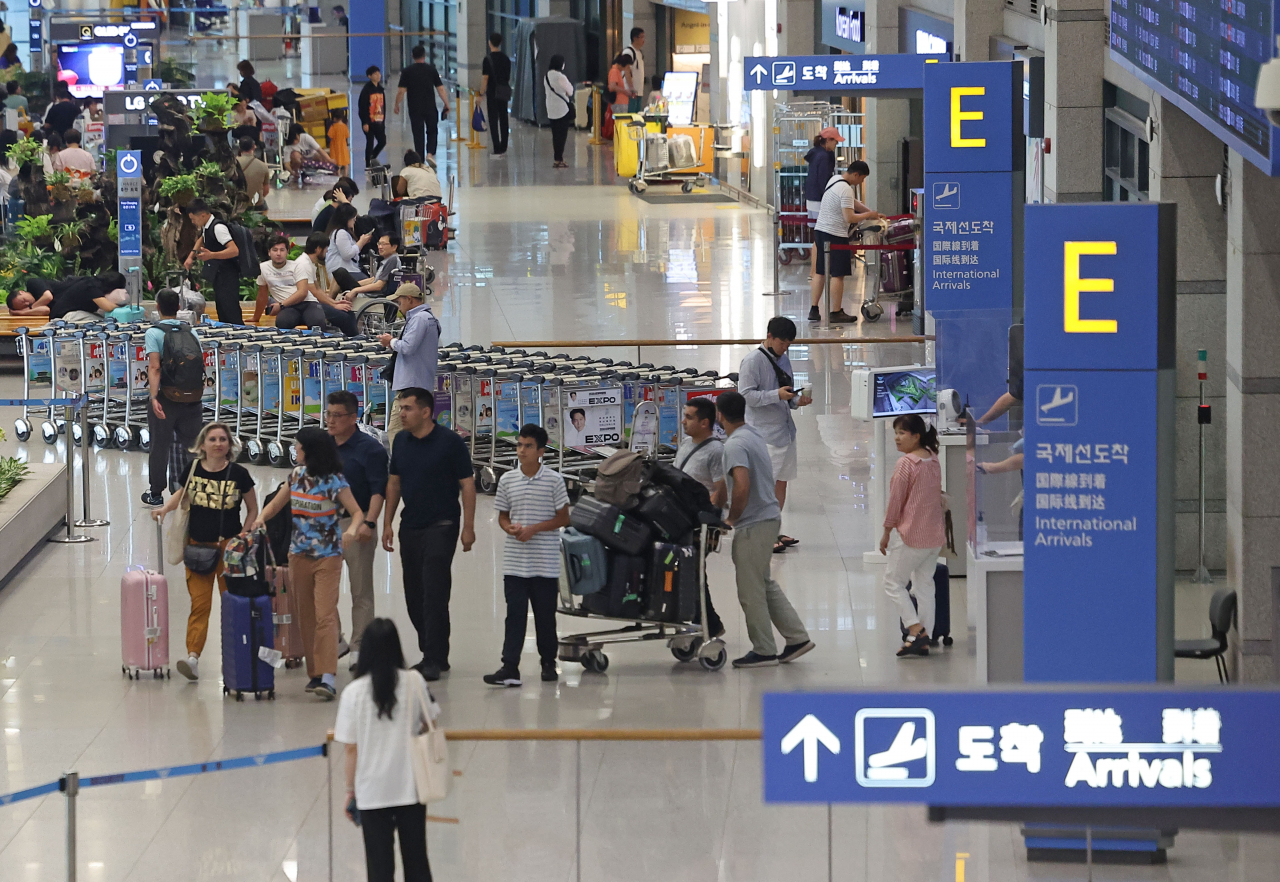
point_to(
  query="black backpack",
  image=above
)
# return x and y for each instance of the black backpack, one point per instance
(247, 264)
(181, 363)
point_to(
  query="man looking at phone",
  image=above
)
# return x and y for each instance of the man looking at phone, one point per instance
(767, 382)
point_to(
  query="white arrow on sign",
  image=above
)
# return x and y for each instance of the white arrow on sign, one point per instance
(758, 71)
(810, 731)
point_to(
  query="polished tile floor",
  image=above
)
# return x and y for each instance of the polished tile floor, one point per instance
(540, 255)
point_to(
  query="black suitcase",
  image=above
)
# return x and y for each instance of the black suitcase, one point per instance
(673, 583)
(625, 533)
(660, 507)
(941, 607)
(621, 597)
(689, 493)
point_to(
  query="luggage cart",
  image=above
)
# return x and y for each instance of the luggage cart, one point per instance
(37, 370)
(872, 243)
(796, 124)
(686, 640)
(654, 166)
(133, 430)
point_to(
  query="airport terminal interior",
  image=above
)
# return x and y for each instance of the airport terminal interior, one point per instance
(540, 258)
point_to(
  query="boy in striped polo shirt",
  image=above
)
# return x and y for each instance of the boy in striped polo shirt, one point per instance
(532, 504)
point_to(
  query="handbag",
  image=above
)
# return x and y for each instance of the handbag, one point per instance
(176, 539)
(477, 120)
(202, 559)
(428, 750)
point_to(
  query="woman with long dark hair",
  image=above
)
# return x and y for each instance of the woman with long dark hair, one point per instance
(380, 712)
(918, 514)
(317, 495)
(559, 107)
(342, 259)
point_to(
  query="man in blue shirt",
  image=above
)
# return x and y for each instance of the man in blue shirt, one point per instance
(364, 465)
(174, 415)
(417, 351)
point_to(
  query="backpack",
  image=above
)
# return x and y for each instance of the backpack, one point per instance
(247, 262)
(692, 497)
(280, 527)
(181, 364)
(618, 478)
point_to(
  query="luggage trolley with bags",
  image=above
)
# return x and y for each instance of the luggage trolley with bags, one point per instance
(890, 271)
(665, 160)
(636, 552)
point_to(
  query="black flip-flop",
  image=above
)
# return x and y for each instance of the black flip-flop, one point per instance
(788, 541)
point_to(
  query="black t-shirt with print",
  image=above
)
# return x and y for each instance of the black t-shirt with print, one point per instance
(216, 496)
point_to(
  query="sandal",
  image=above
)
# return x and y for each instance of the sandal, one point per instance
(788, 541)
(779, 547)
(917, 645)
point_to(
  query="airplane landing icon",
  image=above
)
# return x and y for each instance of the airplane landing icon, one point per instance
(946, 195)
(885, 766)
(1057, 405)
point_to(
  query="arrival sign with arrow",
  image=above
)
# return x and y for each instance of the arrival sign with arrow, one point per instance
(1142, 747)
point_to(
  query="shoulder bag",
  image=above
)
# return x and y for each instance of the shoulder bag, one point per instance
(572, 113)
(429, 752)
(203, 559)
(175, 538)
(784, 378)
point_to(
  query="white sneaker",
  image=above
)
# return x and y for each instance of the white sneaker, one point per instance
(355, 660)
(190, 668)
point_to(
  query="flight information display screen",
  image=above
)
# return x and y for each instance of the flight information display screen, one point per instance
(1205, 55)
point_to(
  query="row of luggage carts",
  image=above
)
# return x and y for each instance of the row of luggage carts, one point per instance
(268, 383)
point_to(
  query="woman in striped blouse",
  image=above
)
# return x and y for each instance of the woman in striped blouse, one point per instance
(917, 512)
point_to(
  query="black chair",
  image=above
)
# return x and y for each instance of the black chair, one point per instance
(1222, 614)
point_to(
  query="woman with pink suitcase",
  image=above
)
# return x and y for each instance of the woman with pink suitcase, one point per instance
(215, 489)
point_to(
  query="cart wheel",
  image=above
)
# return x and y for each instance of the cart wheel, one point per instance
(144, 439)
(257, 696)
(428, 275)
(687, 652)
(635, 191)
(49, 432)
(948, 640)
(22, 429)
(157, 674)
(784, 256)
(239, 696)
(122, 438)
(101, 435)
(293, 455)
(256, 451)
(715, 662)
(77, 436)
(271, 695)
(871, 311)
(487, 480)
(61, 426)
(275, 453)
(595, 661)
(226, 691)
(686, 187)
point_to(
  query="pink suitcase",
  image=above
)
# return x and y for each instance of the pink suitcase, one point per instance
(284, 612)
(144, 619)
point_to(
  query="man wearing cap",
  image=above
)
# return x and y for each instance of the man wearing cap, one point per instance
(417, 350)
(822, 166)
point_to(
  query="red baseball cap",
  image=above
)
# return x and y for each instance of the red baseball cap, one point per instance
(830, 132)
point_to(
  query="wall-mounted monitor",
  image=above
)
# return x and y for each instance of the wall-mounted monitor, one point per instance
(88, 68)
(680, 88)
(893, 391)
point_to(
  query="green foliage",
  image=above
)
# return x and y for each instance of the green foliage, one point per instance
(25, 152)
(31, 229)
(113, 230)
(178, 183)
(35, 85)
(253, 220)
(12, 471)
(54, 179)
(213, 106)
(207, 169)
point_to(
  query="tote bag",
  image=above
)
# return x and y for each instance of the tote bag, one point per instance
(175, 538)
(429, 752)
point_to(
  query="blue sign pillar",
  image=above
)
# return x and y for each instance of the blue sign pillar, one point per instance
(1098, 473)
(129, 220)
(973, 164)
(366, 18)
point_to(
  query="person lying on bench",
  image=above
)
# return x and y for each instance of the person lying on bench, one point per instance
(74, 299)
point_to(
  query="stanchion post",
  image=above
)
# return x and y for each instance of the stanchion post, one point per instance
(830, 875)
(86, 448)
(68, 413)
(457, 129)
(1203, 418)
(825, 318)
(577, 813)
(328, 771)
(71, 789)
(597, 117)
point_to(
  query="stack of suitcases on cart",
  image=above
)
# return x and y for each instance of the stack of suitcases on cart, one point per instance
(632, 551)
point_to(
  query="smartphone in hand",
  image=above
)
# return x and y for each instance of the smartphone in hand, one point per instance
(353, 811)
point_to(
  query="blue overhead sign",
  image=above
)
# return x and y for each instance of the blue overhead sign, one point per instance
(1098, 464)
(973, 117)
(837, 73)
(1151, 748)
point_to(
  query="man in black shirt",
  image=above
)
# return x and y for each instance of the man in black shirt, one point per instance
(496, 85)
(60, 299)
(63, 113)
(419, 84)
(430, 469)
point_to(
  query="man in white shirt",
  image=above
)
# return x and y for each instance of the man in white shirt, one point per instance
(217, 248)
(838, 210)
(284, 292)
(532, 505)
(74, 159)
(311, 271)
(636, 75)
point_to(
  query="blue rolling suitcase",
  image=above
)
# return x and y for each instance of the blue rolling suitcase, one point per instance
(247, 626)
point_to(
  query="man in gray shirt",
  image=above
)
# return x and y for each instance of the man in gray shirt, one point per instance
(417, 349)
(766, 381)
(701, 457)
(755, 517)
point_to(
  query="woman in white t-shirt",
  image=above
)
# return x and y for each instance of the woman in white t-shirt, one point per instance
(378, 714)
(302, 147)
(559, 107)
